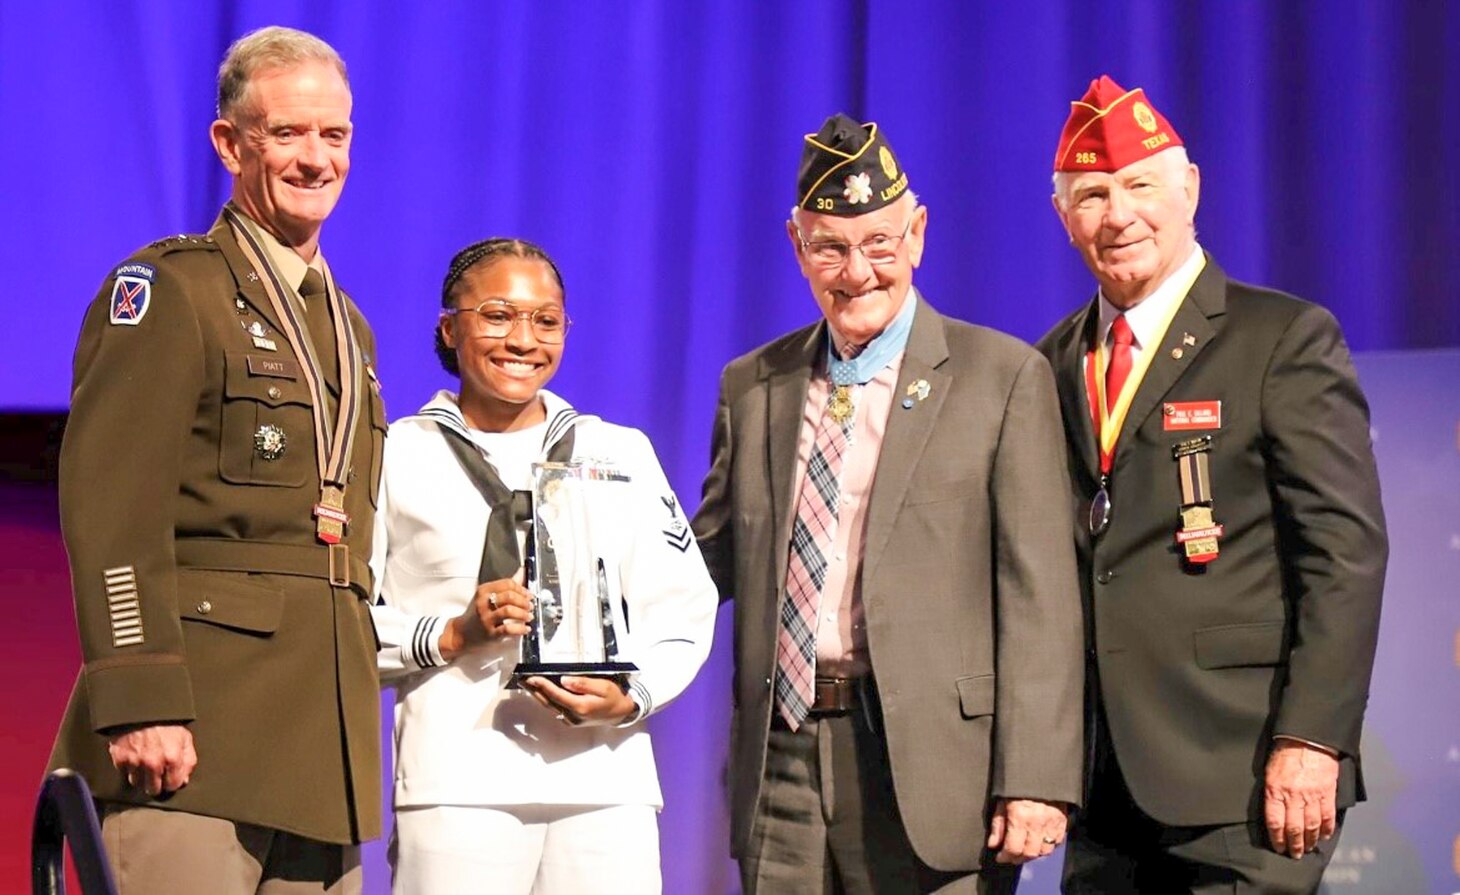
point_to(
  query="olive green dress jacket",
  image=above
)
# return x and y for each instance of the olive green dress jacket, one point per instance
(203, 597)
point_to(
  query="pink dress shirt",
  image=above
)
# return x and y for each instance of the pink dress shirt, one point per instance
(841, 635)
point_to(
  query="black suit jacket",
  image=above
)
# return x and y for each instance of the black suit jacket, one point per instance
(1197, 668)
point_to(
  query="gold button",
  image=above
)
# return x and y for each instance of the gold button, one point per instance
(205, 607)
(274, 392)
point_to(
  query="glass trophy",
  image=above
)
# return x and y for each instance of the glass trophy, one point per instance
(579, 612)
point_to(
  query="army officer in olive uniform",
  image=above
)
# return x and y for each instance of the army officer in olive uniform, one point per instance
(218, 481)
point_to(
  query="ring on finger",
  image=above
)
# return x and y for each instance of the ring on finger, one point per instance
(1048, 841)
(492, 599)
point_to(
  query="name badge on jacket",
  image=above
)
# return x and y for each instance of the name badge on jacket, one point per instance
(1188, 416)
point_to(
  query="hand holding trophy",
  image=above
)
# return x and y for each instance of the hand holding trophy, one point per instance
(578, 622)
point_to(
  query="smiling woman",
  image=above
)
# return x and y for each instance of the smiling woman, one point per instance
(550, 788)
(501, 330)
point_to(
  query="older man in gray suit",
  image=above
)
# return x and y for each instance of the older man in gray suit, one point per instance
(887, 507)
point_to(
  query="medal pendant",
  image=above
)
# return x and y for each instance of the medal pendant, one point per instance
(1099, 511)
(840, 406)
(330, 515)
(1199, 534)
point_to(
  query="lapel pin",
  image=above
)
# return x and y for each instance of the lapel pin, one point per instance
(907, 403)
(253, 277)
(1177, 353)
(1188, 339)
(919, 389)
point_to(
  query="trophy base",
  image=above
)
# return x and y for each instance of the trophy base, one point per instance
(618, 672)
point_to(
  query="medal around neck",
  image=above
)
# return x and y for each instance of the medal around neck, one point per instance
(580, 620)
(840, 405)
(1099, 518)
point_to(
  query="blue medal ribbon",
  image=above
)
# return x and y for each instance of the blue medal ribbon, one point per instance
(879, 352)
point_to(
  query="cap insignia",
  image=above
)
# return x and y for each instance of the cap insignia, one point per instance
(858, 188)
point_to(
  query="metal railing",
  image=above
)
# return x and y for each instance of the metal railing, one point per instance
(65, 812)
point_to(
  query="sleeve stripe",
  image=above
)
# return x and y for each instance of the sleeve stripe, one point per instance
(641, 695)
(421, 652)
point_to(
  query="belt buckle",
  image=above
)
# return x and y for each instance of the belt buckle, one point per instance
(832, 696)
(339, 565)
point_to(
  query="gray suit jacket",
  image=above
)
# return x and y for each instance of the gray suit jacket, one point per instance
(972, 610)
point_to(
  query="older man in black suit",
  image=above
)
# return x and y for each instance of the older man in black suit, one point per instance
(1232, 544)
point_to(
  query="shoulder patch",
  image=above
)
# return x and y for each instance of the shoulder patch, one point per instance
(131, 294)
(136, 269)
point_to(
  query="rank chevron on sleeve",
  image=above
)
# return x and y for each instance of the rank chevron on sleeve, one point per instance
(678, 537)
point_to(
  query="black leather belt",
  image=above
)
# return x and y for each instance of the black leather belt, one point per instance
(835, 696)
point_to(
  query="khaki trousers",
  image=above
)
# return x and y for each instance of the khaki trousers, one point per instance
(153, 851)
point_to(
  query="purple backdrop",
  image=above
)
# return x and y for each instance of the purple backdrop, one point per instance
(651, 148)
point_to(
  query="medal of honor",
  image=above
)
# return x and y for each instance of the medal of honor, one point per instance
(1200, 534)
(841, 406)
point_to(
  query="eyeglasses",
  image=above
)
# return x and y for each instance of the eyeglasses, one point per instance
(830, 253)
(498, 319)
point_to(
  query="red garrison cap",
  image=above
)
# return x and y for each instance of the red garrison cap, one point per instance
(1111, 127)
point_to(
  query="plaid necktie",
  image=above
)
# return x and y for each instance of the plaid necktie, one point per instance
(811, 540)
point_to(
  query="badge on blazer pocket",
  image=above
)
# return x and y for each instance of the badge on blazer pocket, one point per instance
(266, 436)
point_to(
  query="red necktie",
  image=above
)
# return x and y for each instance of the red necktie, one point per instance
(1120, 362)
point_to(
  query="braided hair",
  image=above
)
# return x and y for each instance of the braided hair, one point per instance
(489, 251)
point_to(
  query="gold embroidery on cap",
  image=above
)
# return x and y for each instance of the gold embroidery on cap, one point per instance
(847, 159)
(889, 164)
(1144, 117)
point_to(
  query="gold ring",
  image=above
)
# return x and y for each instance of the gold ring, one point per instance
(1048, 841)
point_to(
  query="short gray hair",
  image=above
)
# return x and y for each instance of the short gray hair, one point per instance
(1175, 159)
(267, 48)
